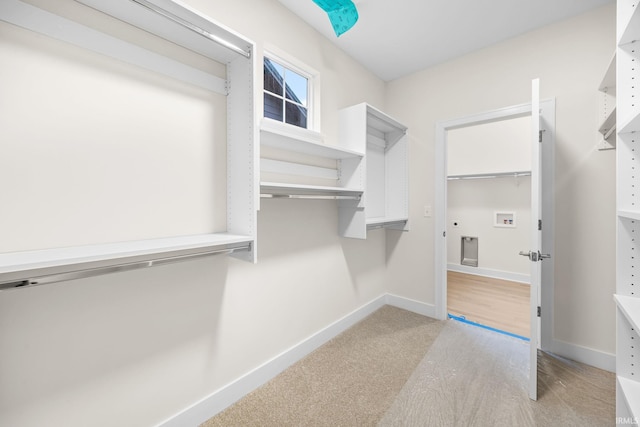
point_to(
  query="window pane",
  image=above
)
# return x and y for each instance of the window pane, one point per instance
(273, 77)
(296, 115)
(296, 87)
(273, 107)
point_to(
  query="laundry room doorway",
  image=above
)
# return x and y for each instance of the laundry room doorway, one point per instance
(540, 226)
(488, 217)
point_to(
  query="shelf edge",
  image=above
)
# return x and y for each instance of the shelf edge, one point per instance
(631, 392)
(30, 264)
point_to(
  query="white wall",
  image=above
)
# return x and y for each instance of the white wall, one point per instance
(471, 204)
(497, 147)
(569, 57)
(502, 146)
(136, 348)
(98, 151)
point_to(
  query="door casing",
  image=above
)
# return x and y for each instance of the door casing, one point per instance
(547, 115)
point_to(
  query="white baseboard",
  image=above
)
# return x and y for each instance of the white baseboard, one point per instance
(588, 356)
(487, 272)
(206, 408)
(414, 306)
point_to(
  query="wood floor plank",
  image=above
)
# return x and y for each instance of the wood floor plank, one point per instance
(492, 302)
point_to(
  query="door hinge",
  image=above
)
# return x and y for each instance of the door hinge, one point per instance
(539, 225)
(539, 311)
(444, 234)
(540, 135)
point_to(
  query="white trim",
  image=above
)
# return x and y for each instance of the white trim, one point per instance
(414, 306)
(589, 356)
(313, 77)
(206, 408)
(487, 272)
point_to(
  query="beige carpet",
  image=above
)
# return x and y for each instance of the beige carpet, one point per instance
(350, 381)
(396, 368)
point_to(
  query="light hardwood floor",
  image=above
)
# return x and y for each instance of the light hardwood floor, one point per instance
(496, 303)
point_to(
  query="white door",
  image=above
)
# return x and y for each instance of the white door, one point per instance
(534, 253)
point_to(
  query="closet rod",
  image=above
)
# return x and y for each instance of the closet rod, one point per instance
(308, 197)
(99, 271)
(490, 175)
(188, 25)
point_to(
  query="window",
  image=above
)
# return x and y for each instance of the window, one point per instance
(286, 94)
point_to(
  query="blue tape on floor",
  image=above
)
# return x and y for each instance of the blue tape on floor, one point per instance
(500, 331)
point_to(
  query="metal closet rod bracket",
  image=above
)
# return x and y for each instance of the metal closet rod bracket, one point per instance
(99, 271)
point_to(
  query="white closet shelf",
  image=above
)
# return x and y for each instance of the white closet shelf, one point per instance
(609, 79)
(285, 189)
(631, 28)
(608, 123)
(508, 174)
(383, 221)
(18, 266)
(630, 124)
(630, 307)
(631, 392)
(177, 22)
(629, 215)
(382, 122)
(139, 15)
(291, 138)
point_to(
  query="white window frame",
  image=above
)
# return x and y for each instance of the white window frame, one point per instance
(313, 86)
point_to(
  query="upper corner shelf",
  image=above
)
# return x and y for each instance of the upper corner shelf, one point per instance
(291, 138)
(178, 23)
(629, 215)
(165, 19)
(381, 122)
(630, 307)
(629, 31)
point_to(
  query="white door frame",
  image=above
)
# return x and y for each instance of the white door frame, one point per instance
(548, 115)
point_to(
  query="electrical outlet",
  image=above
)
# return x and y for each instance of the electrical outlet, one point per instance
(427, 211)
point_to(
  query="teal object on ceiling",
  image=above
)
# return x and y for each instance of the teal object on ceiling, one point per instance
(342, 14)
